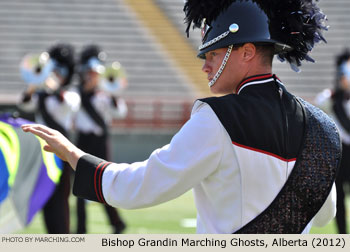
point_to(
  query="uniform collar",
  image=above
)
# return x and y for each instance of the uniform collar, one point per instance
(256, 79)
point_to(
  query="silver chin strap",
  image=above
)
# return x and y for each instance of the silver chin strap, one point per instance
(223, 64)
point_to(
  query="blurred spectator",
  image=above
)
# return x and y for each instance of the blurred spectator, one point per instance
(336, 103)
(54, 105)
(98, 108)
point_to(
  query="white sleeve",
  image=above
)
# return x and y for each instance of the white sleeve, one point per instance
(121, 110)
(103, 103)
(192, 155)
(327, 211)
(73, 101)
(29, 106)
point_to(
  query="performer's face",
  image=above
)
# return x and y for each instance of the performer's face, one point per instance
(345, 79)
(230, 77)
(91, 80)
(54, 81)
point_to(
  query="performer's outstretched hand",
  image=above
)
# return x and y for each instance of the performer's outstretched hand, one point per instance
(56, 143)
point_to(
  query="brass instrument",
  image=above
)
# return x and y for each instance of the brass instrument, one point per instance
(113, 79)
(35, 69)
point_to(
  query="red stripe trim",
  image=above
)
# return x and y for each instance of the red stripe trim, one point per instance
(264, 152)
(95, 186)
(278, 78)
(100, 182)
(265, 76)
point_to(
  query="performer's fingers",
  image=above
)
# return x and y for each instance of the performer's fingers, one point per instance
(25, 127)
(40, 127)
(43, 128)
(49, 149)
(37, 132)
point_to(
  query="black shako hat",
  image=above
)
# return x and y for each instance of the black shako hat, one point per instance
(63, 56)
(92, 51)
(92, 57)
(343, 57)
(292, 26)
(342, 69)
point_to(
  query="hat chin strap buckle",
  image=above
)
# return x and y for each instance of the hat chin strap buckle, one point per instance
(223, 64)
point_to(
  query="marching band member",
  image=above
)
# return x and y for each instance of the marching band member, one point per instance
(336, 103)
(258, 159)
(98, 108)
(55, 106)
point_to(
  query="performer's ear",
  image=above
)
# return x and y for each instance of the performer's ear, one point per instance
(248, 51)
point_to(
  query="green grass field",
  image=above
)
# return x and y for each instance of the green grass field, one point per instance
(174, 217)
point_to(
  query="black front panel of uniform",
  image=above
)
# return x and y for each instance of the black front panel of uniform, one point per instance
(256, 119)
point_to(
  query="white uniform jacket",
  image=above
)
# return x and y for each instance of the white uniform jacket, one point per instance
(60, 108)
(232, 181)
(104, 106)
